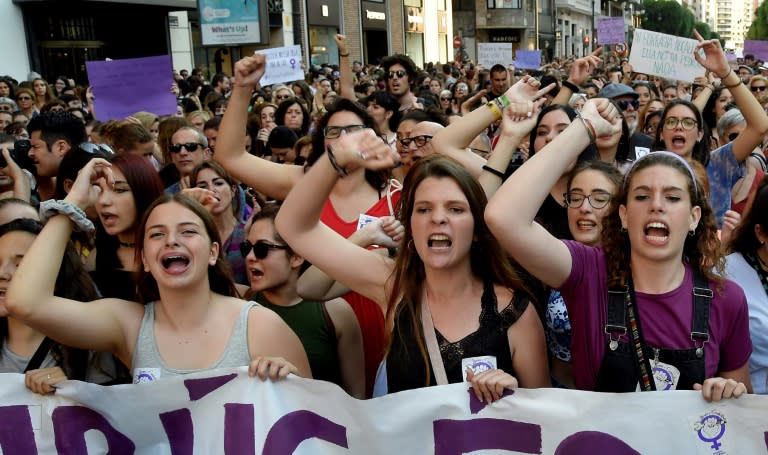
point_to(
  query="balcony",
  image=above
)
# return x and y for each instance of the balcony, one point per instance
(577, 6)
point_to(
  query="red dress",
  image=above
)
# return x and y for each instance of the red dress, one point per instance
(368, 312)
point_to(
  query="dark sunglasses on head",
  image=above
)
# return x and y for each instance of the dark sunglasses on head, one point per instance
(260, 248)
(624, 104)
(95, 149)
(190, 146)
(758, 88)
(399, 73)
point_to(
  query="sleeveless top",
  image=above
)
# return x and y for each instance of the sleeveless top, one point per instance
(312, 324)
(405, 365)
(147, 365)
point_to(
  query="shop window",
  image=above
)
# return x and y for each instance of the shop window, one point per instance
(505, 4)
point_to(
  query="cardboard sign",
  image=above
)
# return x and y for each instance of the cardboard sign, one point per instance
(489, 54)
(124, 87)
(283, 65)
(610, 30)
(528, 59)
(667, 56)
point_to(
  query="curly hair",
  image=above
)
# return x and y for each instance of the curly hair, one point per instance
(701, 250)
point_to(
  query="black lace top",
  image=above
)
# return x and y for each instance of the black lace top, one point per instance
(405, 366)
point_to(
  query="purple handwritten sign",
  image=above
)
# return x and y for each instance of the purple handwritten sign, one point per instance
(610, 30)
(528, 59)
(123, 87)
(757, 48)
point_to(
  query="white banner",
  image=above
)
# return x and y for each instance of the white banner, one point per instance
(489, 54)
(283, 65)
(668, 56)
(226, 412)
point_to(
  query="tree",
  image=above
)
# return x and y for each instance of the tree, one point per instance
(668, 17)
(759, 27)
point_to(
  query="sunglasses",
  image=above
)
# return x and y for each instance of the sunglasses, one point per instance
(758, 88)
(190, 146)
(332, 132)
(399, 73)
(671, 123)
(445, 99)
(6, 108)
(420, 141)
(283, 97)
(624, 104)
(260, 249)
(96, 149)
(24, 98)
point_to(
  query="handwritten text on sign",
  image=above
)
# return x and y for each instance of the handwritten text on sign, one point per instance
(663, 55)
(227, 412)
(283, 65)
(489, 54)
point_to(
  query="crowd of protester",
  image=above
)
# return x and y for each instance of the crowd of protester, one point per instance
(387, 227)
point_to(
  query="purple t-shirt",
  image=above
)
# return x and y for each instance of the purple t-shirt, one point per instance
(665, 318)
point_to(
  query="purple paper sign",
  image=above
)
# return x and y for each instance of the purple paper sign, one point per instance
(757, 48)
(610, 30)
(528, 59)
(124, 87)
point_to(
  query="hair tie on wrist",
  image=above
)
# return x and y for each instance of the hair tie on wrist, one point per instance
(53, 207)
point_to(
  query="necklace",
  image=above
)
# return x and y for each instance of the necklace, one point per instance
(126, 244)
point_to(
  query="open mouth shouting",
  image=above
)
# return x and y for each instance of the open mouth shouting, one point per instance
(175, 263)
(656, 232)
(439, 241)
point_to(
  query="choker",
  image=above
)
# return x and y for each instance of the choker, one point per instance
(126, 245)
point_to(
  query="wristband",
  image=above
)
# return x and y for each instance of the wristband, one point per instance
(493, 171)
(730, 70)
(332, 158)
(53, 207)
(494, 109)
(503, 101)
(571, 86)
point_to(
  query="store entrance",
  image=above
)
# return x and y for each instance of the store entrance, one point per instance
(69, 57)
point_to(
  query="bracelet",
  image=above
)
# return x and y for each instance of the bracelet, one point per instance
(494, 109)
(502, 101)
(332, 158)
(732, 85)
(493, 171)
(590, 128)
(53, 207)
(344, 55)
(571, 86)
(730, 70)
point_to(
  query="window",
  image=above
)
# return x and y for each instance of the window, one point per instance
(505, 4)
(464, 5)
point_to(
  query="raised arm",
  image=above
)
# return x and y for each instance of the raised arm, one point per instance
(510, 213)
(272, 179)
(299, 219)
(347, 88)
(714, 60)
(101, 325)
(708, 82)
(579, 72)
(456, 137)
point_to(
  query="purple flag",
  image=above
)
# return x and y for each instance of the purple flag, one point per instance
(123, 87)
(757, 48)
(610, 30)
(528, 59)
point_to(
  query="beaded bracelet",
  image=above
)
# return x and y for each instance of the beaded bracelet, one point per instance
(332, 158)
(53, 207)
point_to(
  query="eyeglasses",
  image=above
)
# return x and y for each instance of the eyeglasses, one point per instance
(6, 108)
(190, 146)
(96, 149)
(732, 137)
(284, 97)
(758, 88)
(445, 99)
(651, 129)
(24, 98)
(420, 141)
(598, 199)
(688, 123)
(399, 73)
(332, 132)
(260, 249)
(624, 104)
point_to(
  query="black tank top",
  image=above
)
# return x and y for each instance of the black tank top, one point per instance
(405, 366)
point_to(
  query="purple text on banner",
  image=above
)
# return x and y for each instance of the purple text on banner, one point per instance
(757, 48)
(528, 59)
(124, 87)
(610, 30)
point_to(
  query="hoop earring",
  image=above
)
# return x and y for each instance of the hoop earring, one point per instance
(692, 232)
(409, 245)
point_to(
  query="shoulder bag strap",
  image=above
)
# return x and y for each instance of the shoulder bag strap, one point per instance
(435, 358)
(39, 356)
(647, 383)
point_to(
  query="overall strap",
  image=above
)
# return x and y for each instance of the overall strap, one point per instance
(616, 321)
(702, 299)
(647, 383)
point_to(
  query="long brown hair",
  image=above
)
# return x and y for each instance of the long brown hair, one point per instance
(701, 250)
(487, 259)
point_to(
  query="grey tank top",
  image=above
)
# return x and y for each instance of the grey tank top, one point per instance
(148, 366)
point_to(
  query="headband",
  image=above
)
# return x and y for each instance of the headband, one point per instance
(677, 157)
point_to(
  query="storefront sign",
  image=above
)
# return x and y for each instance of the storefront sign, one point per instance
(233, 22)
(374, 16)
